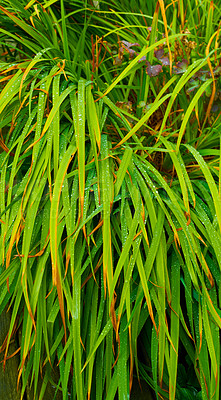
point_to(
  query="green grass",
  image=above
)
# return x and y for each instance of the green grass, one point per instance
(110, 195)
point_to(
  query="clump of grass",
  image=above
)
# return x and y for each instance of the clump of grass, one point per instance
(110, 195)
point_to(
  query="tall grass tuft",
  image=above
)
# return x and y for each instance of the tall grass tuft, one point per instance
(110, 204)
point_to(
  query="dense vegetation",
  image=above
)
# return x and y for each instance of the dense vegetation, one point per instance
(110, 203)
